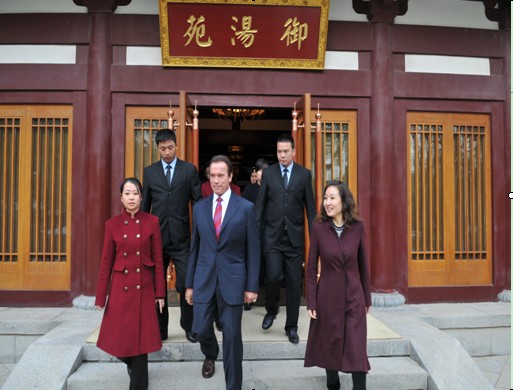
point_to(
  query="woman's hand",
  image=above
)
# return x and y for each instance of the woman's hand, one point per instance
(160, 302)
(99, 308)
(312, 314)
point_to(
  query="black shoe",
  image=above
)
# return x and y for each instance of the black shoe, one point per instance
(163, 336)
(268, 321)
(247, 306)
(293, 337)
(209, 368)
(191, 337)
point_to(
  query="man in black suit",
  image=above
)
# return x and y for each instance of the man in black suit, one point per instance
(168, 187)
(285, 192)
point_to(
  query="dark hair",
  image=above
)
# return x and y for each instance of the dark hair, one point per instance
(286, 137)
(132, 180)
(165, 135)
(349, 210)
(261, 164)
(222, 158)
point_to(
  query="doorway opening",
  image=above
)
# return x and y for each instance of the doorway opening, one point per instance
(243, 141)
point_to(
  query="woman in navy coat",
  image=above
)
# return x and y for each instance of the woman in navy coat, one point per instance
(338, 291)
(131, 266)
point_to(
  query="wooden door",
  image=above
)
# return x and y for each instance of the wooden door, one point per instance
(333, 150)
(449, 199)
(142, 124)
(35, 197)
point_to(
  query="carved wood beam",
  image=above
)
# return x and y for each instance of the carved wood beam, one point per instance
(101, 5)
(381, 10)
(499, 11)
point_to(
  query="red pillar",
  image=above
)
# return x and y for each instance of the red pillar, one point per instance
(98, 158)
(97, 180)
(382, 162)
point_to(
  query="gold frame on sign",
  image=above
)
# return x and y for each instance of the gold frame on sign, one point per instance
(282, 63)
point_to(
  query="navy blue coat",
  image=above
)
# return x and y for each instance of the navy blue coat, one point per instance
(233, 261)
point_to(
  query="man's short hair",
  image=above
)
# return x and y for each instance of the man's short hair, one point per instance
(165, 135)
(286, 137)
(222, 158)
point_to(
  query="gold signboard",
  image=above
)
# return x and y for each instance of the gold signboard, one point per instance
(244, 33)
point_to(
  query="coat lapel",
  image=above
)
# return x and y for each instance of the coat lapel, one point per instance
(160, 173)
(231, 210)
(279, 176)
(208, 213)
(293, 174)
(177, 173)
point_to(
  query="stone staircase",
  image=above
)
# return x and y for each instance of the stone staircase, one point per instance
(433, 351)
(270, 362)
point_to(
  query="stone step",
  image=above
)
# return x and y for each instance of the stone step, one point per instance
(387, 373)
(280, 349)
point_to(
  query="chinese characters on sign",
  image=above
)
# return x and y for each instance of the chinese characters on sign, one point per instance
(196, 30)
(246, 35)
(210, 33)
(295, 32)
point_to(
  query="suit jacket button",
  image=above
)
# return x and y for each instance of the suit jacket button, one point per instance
(125, 236)
(138, 287)
(125, 254)
(137, 253)
(138, 270)
(126, 271)
(126, 288)
(136, 221)
(138, 236)
(126, 222)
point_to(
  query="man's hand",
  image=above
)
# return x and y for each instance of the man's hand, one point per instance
(250, 297)
(188, 296)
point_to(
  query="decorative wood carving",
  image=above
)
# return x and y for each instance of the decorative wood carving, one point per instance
(381, 10)
(101, 5)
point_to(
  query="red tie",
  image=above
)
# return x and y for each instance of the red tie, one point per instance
(217, 217)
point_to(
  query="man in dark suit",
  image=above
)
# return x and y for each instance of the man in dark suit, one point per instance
(168, 187)
(223, 270)
(285, 192)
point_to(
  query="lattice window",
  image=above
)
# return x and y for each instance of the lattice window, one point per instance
(9, 194)
(339, 147)
(141, 151)
(427, 189)
(470, 192)
(49, 190)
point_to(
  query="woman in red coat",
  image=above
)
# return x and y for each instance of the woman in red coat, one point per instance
(132, 264)
(338, 292)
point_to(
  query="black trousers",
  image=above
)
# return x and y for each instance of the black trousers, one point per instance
(333, 381)
(180, 261)
(138, 370)
(284, 261)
